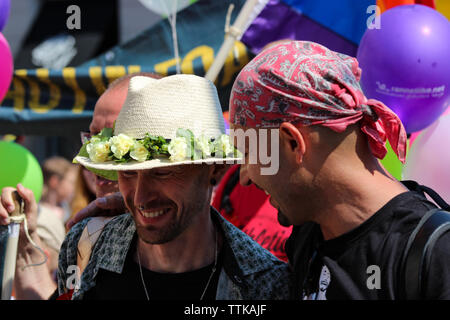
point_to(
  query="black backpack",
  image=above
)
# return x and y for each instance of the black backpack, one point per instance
(417, 255)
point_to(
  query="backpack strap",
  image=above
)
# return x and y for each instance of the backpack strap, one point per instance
(416, 260)
(436, 197)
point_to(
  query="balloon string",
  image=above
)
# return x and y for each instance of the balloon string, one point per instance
(172, 17)
(173, 23)
(19, 219)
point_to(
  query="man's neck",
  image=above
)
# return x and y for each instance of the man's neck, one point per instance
(351, 197)
(191, 250)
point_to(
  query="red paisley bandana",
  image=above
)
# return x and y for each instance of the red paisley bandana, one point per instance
(305, 83)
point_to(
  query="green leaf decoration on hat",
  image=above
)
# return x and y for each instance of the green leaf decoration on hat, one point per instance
(106, 133)
(107, 174)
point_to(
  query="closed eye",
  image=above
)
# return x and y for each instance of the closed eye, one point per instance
(162, 173)
(128, 173)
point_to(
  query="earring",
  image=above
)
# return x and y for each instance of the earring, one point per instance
(213, 181)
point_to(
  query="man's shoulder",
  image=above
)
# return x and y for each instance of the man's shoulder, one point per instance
(252, 267)
(95, 224)
(244, 247)
(94, 242)
(93, 232)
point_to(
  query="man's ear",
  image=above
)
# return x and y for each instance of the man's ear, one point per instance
(292, 140)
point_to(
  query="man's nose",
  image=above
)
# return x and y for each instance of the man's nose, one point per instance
(244, 179)
(145, 190)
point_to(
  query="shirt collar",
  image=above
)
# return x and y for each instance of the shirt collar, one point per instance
(242, 255)
(121, 232)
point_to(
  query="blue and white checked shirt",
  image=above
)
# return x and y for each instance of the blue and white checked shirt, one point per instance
(249, 272)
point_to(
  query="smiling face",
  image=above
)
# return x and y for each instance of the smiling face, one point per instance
(165, 202)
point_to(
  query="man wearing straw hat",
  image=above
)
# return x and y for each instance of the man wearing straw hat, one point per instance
(166, 148)
(352, 219)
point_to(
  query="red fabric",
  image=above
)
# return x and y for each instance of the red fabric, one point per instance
(388, 4)
(429, 3)
(265, 229)
(307, 84)
(253, 214)
(66, 296)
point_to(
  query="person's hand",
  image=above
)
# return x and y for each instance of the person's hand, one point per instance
(110, 205)
(29, 283)
(30, 206)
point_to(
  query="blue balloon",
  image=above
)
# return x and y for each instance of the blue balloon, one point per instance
(4, 12)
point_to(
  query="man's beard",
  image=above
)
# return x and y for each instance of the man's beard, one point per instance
(159, 236)
(171, 230)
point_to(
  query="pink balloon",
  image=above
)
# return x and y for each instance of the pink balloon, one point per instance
(428, 161)
(414, 135)
(446, 112)
(6, 66)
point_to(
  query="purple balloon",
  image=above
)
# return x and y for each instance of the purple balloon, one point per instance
(406, 64)
(4, 12)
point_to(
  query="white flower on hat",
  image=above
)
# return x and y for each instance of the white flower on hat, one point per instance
(139, 152)
(222, 146)
(120, 145)
(98, 150)
(203, 145)
(95, 139)
(179, 149)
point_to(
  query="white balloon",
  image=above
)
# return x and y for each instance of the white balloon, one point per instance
(165, 7)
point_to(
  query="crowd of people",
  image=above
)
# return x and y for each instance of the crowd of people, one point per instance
(200, 228)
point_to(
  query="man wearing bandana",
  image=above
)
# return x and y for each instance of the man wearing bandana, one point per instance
(351, 218)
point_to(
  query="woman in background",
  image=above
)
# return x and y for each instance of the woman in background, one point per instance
(85, 190)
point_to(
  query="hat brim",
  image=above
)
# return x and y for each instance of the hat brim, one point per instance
(150, 164)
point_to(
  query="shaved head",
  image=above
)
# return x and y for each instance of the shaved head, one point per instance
(110, 102)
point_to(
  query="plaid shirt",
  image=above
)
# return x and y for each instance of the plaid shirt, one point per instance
(249, 272)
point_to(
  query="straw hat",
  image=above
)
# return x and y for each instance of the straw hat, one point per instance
(160, 107)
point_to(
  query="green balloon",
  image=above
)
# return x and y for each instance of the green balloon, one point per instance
(18, 165)
(391, 162)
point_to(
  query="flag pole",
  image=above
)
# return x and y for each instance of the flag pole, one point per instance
(234, 33)
(9, 267)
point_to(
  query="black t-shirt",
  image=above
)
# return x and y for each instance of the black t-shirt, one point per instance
(365, 262)
(160, 286)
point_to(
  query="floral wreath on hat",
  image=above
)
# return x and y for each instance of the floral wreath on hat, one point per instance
(106, 146)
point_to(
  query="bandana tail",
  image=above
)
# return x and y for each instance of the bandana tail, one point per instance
(388, 126)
